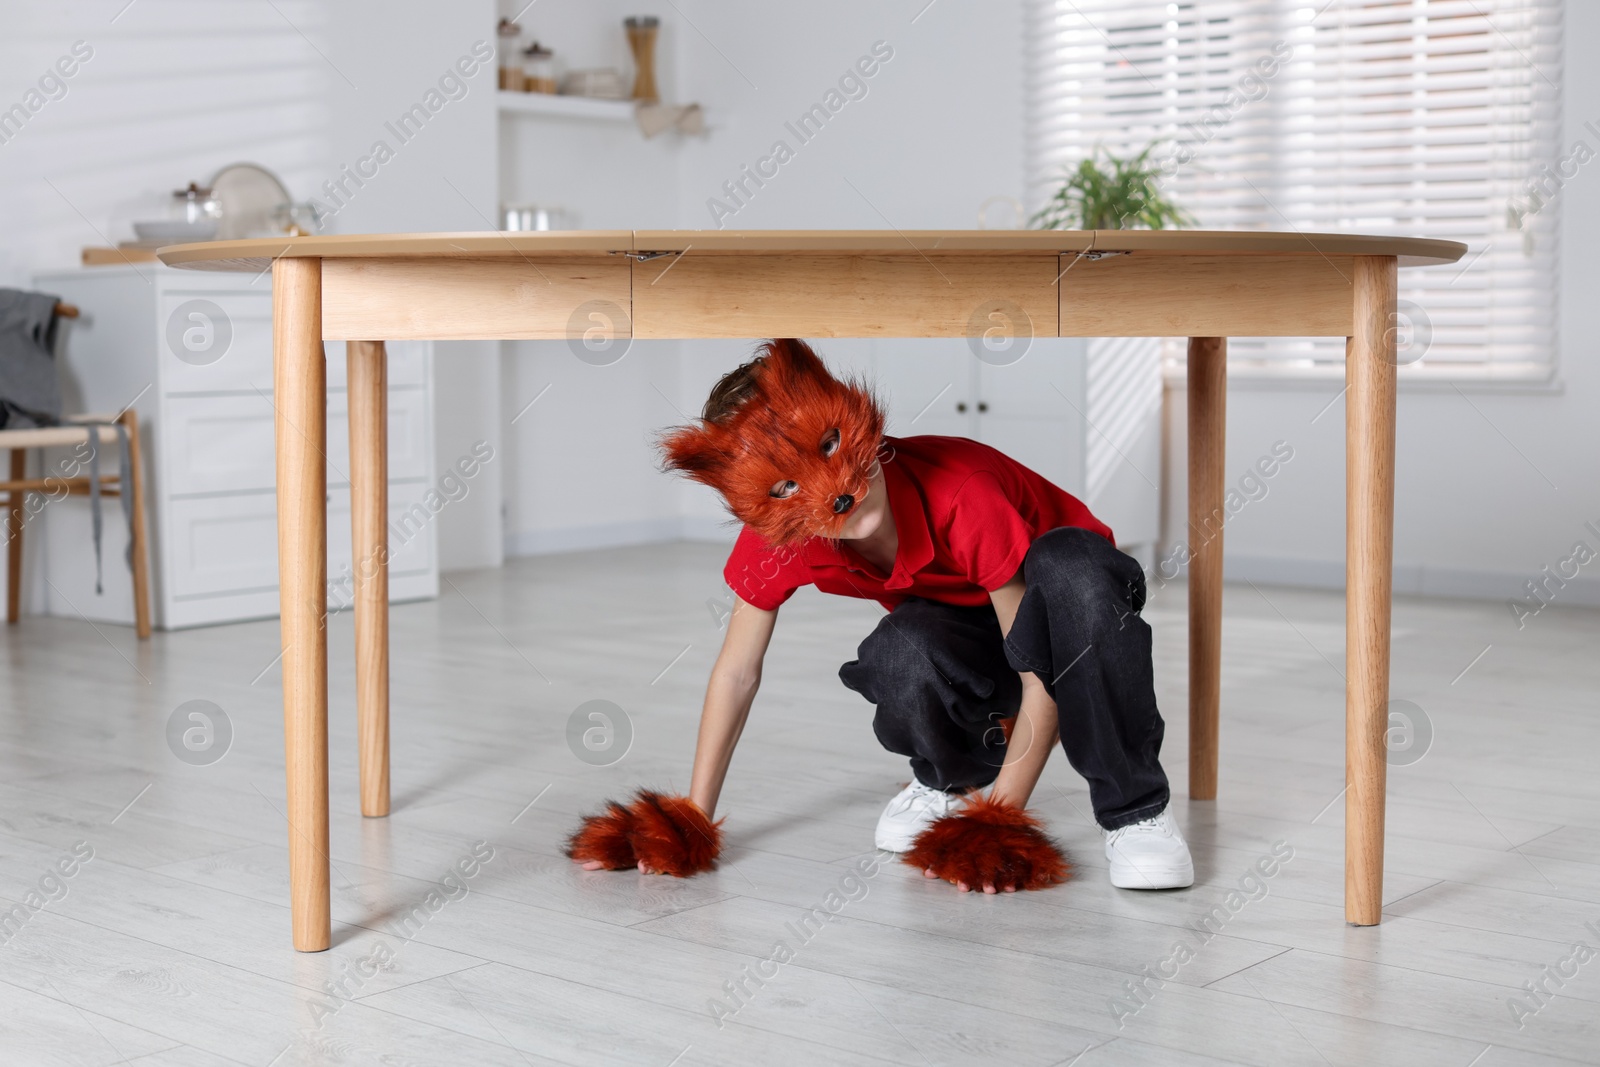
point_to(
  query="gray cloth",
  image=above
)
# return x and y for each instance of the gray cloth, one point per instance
(30, 392)
(124, 491)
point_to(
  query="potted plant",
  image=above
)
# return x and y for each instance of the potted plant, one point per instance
(1116, 194)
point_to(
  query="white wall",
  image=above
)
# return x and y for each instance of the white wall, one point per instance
(1490, 485)
(939, 130)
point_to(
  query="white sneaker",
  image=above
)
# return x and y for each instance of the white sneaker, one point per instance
(1149, 855)
(912, 811)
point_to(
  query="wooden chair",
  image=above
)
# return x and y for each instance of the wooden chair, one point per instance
(18, 486)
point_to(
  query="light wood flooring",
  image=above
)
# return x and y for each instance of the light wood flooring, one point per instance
(171, 945)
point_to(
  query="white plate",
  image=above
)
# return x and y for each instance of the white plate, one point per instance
(174, 231)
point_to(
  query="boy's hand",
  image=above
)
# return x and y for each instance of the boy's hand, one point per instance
(658, 834)
(991, 845)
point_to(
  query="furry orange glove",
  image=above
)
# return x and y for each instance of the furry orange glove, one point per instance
(666, 833)
(989, 843)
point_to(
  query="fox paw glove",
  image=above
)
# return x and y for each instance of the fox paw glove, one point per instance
(989, 845)
(667, 834)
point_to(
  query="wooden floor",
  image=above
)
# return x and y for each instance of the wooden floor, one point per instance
(171, 945)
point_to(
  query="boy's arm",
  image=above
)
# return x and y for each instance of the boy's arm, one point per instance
(663, 834)
(1035, 732)
(994, 843)
(730, 690)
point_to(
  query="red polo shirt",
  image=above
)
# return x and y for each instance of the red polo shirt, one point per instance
(965, 513)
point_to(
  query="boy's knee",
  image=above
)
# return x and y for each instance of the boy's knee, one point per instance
(1067, 557)
(1085, 570)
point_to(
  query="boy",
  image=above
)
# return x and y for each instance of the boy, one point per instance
(1010, 610)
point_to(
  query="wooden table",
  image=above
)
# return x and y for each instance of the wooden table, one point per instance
(612, 284)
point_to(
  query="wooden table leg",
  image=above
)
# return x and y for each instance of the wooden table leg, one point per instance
(141, 554)
(369, 517)
(1208, 410)
(300, 396)
(16, 499)
(1369, 556)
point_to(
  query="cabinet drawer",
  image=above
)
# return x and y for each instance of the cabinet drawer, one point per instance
(222, 544)
(222, 444)
(229, 544)
(214, 444)
(222, 342)
(215, 341)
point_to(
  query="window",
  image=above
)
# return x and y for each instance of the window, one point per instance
(1425, 118)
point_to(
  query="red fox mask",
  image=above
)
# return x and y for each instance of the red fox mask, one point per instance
(793, 460)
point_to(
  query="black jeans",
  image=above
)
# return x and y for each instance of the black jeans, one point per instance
(943, 677)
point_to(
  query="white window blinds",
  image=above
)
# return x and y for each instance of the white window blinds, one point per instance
(1425, 118)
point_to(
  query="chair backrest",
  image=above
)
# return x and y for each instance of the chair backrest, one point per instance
(30, 392)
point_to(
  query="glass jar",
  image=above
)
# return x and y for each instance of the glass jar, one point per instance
(298, 219)
(195, 204)
(538, 69)
(509, 35)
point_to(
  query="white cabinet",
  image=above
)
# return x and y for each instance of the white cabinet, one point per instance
(192, 352)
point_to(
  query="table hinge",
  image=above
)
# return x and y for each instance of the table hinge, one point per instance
(1102, 255)
(644, 257)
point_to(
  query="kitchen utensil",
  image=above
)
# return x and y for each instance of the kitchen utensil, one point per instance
(653, 118)
(252, 198)
(521, 217)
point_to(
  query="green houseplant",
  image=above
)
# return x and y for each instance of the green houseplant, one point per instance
(1105, 192)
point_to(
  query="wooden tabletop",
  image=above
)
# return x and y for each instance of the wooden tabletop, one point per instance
(257, 254)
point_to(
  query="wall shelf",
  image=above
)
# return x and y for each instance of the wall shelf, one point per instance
(511, 102)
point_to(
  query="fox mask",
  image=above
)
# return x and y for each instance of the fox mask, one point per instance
(794, 459)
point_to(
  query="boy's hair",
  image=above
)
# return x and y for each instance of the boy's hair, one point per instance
(731, 390)
(782, 418)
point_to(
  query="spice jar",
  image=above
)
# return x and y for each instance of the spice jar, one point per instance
(510, 35)
(642, 32)
(538, 69)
